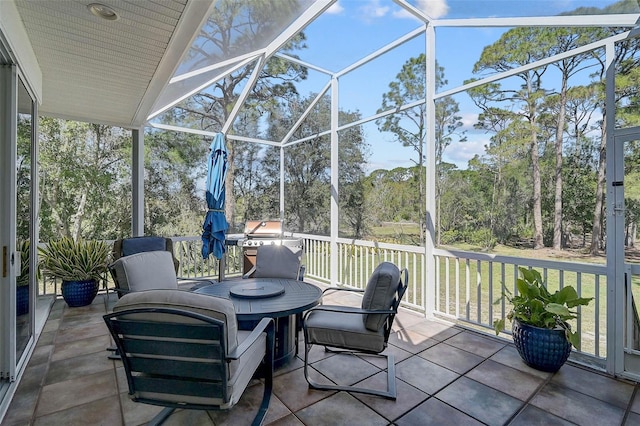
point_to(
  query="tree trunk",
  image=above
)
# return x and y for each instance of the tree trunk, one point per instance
(537, 196)
(557, 216)
(597, 213)
(77, 218)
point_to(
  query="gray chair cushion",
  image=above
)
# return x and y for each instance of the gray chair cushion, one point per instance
(146, 271)
(240, 371)
(343, 330)
(211, 306)
(379, 294)
(278, 261)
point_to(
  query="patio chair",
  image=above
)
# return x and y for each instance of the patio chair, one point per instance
(128, 246)
(138, 273)
(184, 350)
(363, 330)
(278, 261)
(144, 271)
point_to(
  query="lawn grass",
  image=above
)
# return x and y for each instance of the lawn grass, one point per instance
(473, 300)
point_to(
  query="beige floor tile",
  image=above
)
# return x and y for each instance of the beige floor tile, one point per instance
(79, 366)
(475, 343)
(293, 390)
(105, 411)
(345, 369)
(81, 347)
(577, 407)
(434, 412)
(454, 359)
(411, 341)
(340, 409)
(480, 401)
(408, 397)
(424, 375)
(83, 389)
(514, 382)
(598, 386)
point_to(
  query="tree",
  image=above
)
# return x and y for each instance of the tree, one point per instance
(409, 126)
(555, 41)
(232, 27)
(174, 164)
(308, 167)
(82, 166)
(625, 62)
(515, 48)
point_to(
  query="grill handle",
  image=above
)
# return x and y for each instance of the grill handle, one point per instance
(256, 227)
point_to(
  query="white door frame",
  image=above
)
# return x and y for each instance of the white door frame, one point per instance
(8, 148)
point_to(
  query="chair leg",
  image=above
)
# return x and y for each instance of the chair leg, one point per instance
(161, 416)
(115, 354)
(268, 379)
(390, 393)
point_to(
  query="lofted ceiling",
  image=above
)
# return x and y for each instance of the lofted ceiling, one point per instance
(106, 71)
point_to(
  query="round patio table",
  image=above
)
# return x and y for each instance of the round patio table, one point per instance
(277, 298)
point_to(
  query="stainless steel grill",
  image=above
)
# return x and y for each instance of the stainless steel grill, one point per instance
(263, 232)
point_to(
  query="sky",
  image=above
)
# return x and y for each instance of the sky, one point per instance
(352, 29)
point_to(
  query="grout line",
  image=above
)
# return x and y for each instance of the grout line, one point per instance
(628, 410)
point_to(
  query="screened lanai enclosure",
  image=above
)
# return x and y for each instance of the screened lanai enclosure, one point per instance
(460, 139)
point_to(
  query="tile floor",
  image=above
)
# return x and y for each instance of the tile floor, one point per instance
(446, 375)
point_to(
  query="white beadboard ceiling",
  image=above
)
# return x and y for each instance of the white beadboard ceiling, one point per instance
(103, 71)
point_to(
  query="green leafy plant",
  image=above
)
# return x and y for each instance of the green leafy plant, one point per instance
(536, 306)
(72, 260)
(24, 248)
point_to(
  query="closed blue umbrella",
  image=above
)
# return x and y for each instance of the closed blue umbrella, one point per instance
(215, 223)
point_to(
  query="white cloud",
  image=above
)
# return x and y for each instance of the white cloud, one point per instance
(459, 153)
(373, 10)
(433, 8)
(404, 14)
(335, 9)
(468, 120)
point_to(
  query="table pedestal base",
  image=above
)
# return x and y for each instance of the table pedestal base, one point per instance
(285, 338)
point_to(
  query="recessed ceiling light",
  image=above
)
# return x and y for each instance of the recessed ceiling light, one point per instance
(103, 11)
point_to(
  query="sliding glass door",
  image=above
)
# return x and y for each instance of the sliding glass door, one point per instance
(17, 222)
(25, 280)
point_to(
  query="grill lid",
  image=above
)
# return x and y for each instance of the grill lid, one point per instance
(263, 229)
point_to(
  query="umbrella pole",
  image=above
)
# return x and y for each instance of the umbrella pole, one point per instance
(222, 264)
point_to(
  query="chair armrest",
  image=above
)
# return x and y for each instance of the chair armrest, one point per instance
(248, 274)
(301, 272)
(265, 324)
(347, 310)
(352, 290)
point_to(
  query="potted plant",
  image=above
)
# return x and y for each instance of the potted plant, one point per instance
(541, 332)
(79, 264)
(22, 282)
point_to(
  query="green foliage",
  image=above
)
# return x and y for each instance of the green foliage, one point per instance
(72, 260)
(85, 180)
(24, 247)
(536, 306)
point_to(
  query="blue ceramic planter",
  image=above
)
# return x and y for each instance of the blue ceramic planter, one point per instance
(79, 293)
(22, 300)
(541, 348)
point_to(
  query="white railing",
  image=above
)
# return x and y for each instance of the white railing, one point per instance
(467, 284)
(188, 251)
(357, 259)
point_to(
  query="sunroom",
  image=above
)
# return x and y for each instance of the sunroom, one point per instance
(442, 92)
